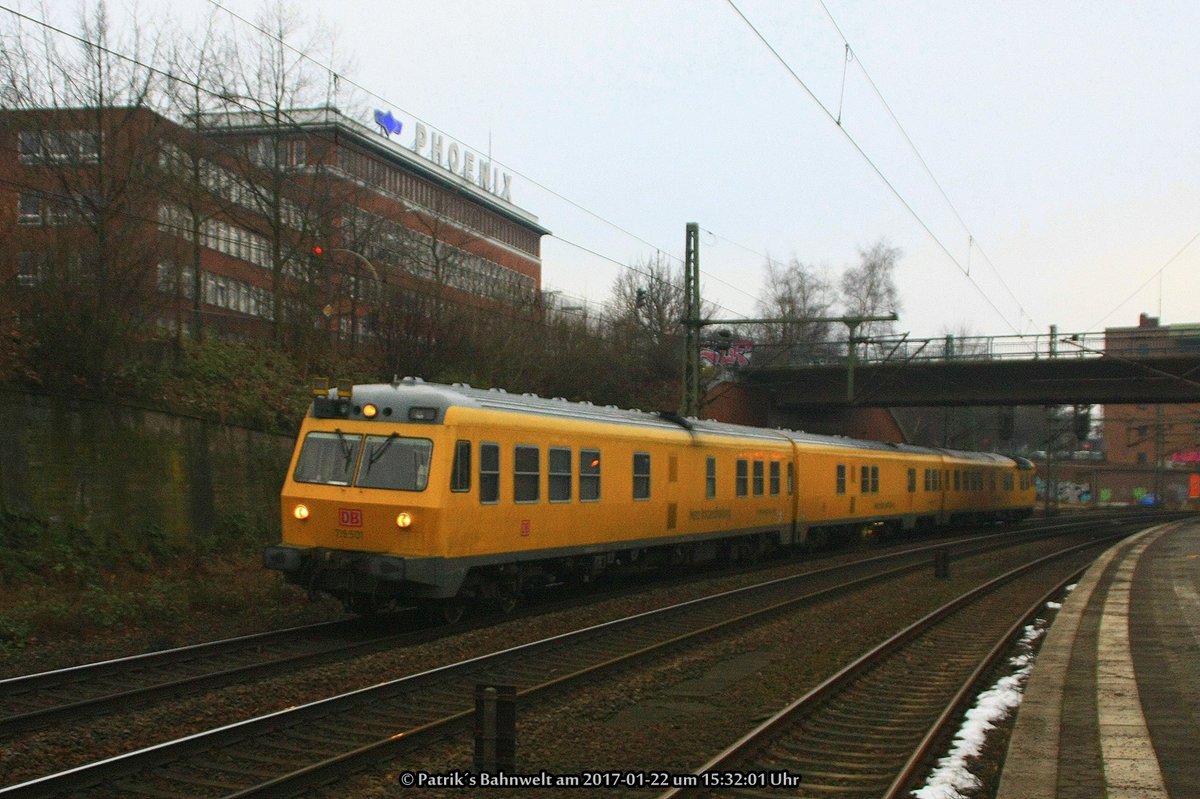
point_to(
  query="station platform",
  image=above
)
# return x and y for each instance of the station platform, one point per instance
(1112, 706)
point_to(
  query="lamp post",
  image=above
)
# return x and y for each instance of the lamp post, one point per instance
(320, 250)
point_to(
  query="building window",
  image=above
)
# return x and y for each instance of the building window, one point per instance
(489, 473)
(527, 474)
(31, 268)
(560, 474)
(48, 146)
(29, 208)
(641, 475)
(589, 475)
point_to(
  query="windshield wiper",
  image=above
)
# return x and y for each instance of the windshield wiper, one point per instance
(377, 454)
(344, 443)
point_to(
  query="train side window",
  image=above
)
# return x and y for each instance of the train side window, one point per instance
(560, 474)
(489, 473)
(743, 477)
(460, 472)
(758, 478)
(791, 478)
(841, 478)
(874, 479)
(641, 475)
(773, 479)
(957, 481)
(928, 481)
(992, 481)
(589, 475)
(864, 480)
(912, 481)
(527, 473)
(710, 478)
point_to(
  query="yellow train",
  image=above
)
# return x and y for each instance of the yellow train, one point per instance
(439, 495)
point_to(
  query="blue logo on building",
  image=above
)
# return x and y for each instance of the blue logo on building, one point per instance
(388, 122)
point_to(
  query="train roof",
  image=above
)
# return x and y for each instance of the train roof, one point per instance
(398, 397)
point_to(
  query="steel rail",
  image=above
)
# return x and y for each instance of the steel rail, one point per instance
(33, 703)
(744, 748)
(112, 769)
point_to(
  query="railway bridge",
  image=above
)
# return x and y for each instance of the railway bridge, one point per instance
(1119, 366)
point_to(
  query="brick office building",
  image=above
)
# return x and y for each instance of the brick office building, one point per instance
(212, 222)
(1146, 435)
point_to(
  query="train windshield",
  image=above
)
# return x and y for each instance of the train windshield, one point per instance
(328, 458)
(393, 461)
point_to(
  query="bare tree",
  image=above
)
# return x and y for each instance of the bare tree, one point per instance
(795, 291)
(269, 80)
(191, 165)
(648, 308)
(869, 289)
(87, 141)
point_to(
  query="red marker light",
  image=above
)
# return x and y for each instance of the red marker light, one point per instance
(318, 250)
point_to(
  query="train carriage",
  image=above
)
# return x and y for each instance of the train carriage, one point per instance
(436, 495)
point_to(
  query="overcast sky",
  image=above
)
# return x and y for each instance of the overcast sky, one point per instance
(1065, 134)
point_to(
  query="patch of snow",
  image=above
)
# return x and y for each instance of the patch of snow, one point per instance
(952, 778)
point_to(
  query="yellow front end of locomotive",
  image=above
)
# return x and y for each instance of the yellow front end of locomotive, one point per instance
(364, 487)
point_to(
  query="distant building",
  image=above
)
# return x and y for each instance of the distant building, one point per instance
(214, 220)
(1152, 435)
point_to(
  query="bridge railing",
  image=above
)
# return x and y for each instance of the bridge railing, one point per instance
(952, 348)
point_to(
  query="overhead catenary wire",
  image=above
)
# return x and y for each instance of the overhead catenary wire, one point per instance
(340, 78)
(241, 103)
(1149, 280)
(972, 241)
(871, 163)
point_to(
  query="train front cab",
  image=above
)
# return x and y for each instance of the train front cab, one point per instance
(361, 508)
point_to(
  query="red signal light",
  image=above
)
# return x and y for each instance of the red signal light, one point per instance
(318, 250)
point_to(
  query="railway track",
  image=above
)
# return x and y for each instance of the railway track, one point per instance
(36, 700)
(343, 734)
(867, 730)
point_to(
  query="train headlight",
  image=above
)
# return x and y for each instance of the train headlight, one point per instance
(404, 520)
(300, 512)
(369, 411)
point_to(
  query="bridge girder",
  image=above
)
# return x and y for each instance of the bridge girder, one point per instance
(1066, 381)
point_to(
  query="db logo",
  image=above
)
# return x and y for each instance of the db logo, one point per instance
(349, 517)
